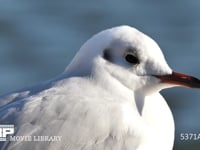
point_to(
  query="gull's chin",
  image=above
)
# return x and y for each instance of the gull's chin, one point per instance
(149, 85)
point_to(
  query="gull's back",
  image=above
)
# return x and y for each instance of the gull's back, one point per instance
(71, 109)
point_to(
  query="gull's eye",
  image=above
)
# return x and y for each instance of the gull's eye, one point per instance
(130, 58)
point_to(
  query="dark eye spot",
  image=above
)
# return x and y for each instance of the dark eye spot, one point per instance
(130, 58)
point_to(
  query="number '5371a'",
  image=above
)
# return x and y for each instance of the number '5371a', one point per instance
(189, 136)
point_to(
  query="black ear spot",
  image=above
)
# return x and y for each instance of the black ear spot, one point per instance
(107, 55)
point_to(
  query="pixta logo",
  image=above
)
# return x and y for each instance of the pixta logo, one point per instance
(6, 130)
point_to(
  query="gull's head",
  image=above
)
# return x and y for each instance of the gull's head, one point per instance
(129, 57)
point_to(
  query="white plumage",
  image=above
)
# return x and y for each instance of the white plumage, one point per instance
(107, 99)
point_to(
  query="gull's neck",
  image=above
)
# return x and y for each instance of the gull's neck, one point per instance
(152, 111)
(111, 84)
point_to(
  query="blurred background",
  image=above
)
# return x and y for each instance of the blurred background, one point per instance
(38, 38)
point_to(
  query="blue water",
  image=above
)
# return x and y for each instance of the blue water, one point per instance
(38, 38)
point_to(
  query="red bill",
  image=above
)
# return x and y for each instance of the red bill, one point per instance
(179, 79)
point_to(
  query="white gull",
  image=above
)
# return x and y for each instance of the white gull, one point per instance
(107, 98)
